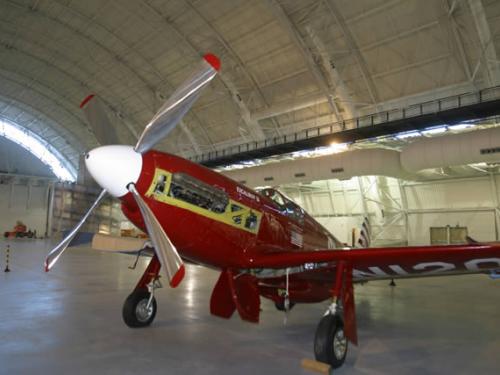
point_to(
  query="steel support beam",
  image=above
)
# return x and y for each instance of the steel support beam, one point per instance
(65, 107)
(227, 82)
(297, 39)
(31, 109)
(490, 63)
(416, 64)
(457, 39)
(70, 78)
(335, 81)
(120, 61)
(254, 126)
(351, 43)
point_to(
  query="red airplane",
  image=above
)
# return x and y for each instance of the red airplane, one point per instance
(263, 243)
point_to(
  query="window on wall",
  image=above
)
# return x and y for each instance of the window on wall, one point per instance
(448, 235)
(196, 192)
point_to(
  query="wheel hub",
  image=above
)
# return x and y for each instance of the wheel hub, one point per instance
(143, 311)
(339, 344)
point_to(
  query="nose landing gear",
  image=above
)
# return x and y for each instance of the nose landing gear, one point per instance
(139, 309)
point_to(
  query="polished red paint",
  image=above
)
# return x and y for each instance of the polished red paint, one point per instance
(212, 243)
(179, 275)
(150, 274)
(236, 293)
(212, 60)
(218, 245)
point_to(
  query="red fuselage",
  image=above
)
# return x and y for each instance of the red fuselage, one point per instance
(217, 222)
(212, 237)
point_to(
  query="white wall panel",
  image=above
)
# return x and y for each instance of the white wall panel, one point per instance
(341, 227)
(480, 225)
(466, 202)
(471, 193)
(32, 210)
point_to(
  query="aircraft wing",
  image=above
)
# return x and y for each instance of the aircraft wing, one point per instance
(391, 261)
(340, 268)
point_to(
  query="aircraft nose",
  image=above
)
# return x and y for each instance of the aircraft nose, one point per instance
(114, 167)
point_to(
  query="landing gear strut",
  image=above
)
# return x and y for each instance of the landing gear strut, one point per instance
(285, 304)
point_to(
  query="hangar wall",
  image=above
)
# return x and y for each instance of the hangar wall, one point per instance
(402, 212)
(468, 202)
(28, 199)
(71, 202)
(26, 202)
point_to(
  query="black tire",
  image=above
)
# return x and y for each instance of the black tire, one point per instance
(280, 306)
(134, 311)
(330, 344)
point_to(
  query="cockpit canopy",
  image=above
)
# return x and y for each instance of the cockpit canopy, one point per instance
(286, 206)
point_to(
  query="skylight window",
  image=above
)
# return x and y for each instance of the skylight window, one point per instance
(410, 134)
(434, 130)
(461, 126)
(40, 149)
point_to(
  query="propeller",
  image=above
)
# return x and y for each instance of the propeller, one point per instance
(57, 251)
(117, 168)
(169, 115)
(103, 129)
(166, 252)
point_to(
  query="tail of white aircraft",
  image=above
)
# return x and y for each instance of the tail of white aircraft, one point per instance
(365, 232)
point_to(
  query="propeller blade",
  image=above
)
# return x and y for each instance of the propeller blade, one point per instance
(169, 115)
(56, 252)
(95, 112)
(166, 252)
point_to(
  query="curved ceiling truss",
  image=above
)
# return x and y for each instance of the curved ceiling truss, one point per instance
(40, 148)
(287, 65)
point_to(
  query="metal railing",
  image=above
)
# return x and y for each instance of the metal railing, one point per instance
(413, 111)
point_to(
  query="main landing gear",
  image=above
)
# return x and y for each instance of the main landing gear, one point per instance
(284, 305)
(139, 309)
(338, 325)
(330, 342)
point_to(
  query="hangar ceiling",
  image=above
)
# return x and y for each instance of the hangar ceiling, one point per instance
(286, 64)
(16, 160)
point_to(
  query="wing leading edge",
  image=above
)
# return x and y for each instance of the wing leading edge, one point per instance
(394, 261)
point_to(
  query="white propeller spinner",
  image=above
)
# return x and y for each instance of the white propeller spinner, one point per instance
(114, 167)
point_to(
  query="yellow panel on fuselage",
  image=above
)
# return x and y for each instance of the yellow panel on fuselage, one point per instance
(235, 213)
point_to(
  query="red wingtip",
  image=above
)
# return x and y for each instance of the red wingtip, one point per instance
(212, 60)
(86, 100)
(179, 275)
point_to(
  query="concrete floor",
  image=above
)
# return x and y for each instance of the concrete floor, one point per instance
(69, 321)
